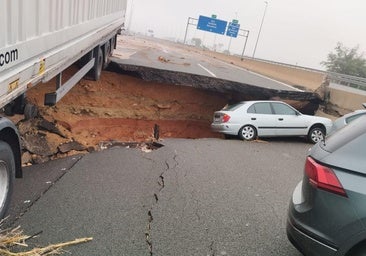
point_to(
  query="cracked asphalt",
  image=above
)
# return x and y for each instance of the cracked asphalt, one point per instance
(191, 197)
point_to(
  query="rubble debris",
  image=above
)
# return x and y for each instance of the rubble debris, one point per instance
(45, 125)
(38, 159)
(72, 145)
(26, 158)
(162, 59)
(43, 140)
(26, 126)
(143, 146)
(38, 144)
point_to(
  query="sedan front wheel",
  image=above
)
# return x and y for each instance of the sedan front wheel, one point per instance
(247, 132)
(316, 134)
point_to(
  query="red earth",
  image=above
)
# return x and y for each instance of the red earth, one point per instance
(123, 108)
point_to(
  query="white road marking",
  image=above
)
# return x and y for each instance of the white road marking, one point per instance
(207, 70)
(257, 74)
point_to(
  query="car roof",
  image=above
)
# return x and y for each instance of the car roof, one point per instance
(235, 106)
(257, 101)
(260, 101)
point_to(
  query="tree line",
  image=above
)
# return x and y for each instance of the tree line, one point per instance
(344, 60)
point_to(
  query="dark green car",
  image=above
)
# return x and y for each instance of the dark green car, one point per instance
(327, 212)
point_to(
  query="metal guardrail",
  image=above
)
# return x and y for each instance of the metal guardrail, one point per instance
(346, 80)
(284, 64)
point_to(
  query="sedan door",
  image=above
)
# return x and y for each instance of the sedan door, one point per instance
(261, 116)
(289, 121)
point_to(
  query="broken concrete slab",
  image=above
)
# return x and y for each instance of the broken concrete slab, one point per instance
(72, 145)
(38, 144)
(45, 125)
(307, 102)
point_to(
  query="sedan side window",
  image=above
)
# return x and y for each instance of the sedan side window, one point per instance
(282, 109)
(260, 108)
(251, 109)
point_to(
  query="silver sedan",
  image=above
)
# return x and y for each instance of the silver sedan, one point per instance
(252, 119)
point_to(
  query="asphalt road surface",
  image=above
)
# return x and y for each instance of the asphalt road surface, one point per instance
(161, 55)
(190, 197)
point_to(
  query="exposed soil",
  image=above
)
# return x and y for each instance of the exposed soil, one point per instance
(124, 108)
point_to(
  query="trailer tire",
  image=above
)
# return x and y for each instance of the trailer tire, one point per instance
(19, 104)
(98, 65)
(107, 54)
(113, 44)
(9, 109)
(7, 173)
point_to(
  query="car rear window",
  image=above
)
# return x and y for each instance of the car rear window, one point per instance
(232, 107)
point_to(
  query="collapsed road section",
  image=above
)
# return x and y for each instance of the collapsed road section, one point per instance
(120, 107)
(305, 101)
(129, 101)
(161, 61)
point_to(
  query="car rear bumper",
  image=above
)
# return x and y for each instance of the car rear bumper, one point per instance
(305, 243)
(301, 235)
(224, 128)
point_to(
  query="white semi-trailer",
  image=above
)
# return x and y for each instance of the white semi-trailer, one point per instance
(38, 40)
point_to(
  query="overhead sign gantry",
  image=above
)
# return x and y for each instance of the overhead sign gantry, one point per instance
(211, 24)
(214, 25)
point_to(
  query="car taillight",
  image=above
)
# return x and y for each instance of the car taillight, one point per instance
(225, 118)
(323, 177)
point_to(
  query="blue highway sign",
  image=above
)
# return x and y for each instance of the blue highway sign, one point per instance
(233, 29)
(211, 25)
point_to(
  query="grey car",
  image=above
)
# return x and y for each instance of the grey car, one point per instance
(346, 119)
(327, 212)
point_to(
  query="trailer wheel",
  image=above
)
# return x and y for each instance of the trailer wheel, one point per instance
(98, 65)
(7, 172)
(113, 44)
(9, 109)
(107, 54)
(19, 104)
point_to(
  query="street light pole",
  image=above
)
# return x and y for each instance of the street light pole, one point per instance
(130, 18)
(260, 28)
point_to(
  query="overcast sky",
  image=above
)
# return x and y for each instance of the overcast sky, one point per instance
(297, 32)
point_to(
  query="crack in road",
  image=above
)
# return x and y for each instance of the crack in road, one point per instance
(212, 249)
(161, 183)
(148, 233)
